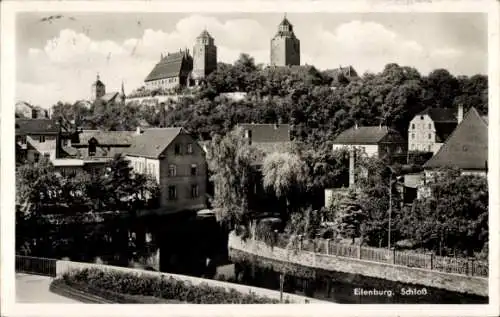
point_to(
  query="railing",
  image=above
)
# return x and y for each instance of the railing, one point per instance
(34, 265)
(429, 261)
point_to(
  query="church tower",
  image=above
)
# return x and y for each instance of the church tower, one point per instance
(204, 56)
(285, 46)
(98, 89)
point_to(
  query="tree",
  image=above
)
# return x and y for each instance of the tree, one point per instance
(230, 160)
(350, 217)
(287, 176)
(454, 217)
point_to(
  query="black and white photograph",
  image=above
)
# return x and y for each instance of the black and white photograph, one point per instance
(265, 156)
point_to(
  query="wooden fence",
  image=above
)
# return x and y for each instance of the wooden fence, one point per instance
(429, 261)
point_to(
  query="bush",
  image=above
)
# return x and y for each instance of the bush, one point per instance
(161, 288)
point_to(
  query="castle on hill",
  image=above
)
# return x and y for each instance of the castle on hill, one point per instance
(186, 68)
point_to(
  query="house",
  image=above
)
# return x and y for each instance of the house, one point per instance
(374, 141)
(27, 111)
(36, 138)
(268, 138)
(429, 129)
(90, 150)
(466, 148)
(341, 74)
(177, 162)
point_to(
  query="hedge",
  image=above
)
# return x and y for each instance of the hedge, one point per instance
(91, 295)
(104, 283)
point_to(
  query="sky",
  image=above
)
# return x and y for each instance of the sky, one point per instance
(59, 60)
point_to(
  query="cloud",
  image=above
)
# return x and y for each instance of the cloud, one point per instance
(69, 61)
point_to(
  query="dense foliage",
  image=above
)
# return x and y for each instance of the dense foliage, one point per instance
(231, 161)
(71, 209)
(453, 219)
(318, 106)
(166, 288)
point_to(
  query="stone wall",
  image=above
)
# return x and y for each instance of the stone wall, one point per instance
(68, 266)
(396, 273)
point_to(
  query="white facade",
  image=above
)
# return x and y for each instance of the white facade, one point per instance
(165, 83)
(422, 135)
(143, 165)
(370, 150)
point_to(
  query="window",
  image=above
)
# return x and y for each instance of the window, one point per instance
(190, 148)
(194, 191)
(41, 139)
(92, 148)
(429, 136)
(177, 149)
(413, 126)
(172, 170)
(413, 136)
(421, 117)
(46, 155)
(172, 193)
(36, 157)
(413, 146)
(430, 148)
(430, 126)
(194, 170)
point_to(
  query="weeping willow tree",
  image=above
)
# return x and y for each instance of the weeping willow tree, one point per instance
(230, 160)
(287, 176)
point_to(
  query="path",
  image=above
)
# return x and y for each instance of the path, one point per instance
(35, 289)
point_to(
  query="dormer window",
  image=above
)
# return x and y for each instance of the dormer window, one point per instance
(92, 147)
(41, 138)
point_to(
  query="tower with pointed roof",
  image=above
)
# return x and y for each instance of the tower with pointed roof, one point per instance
(285, 46)
(204, 56)
(98, 89)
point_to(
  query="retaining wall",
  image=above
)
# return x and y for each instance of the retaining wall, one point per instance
(447, 281)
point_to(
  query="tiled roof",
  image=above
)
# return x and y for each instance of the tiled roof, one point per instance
(362, 135)
(267, 132)
(171, 66)
(107, 137)
(110, 96)
(205, 34)
(36, 126)
(467, 146)
(100, 153)
(440, 114)
(152, 142)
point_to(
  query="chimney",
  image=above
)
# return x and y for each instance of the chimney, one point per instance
(351, 168)
(276, 126)
(139, 130)
(460, 114)
(356, 125)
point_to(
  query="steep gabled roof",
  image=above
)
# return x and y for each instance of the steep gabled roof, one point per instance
(362, 135)
(36, 126)
(467, 146)
(440, 114)
(152, 142)
(263, 133)
(171, 66)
